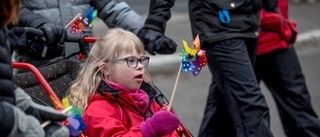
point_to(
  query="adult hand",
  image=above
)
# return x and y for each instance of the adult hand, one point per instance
(17, 38)
(53, 33)
(24, 125)
(42, 113)
(28, 126)
(156, 42)
(56, 130)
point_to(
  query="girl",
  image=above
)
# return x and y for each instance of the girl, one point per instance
(109, 89)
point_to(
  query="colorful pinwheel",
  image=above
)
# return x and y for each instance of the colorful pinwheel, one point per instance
(74, 121)
(193, 59)
(84, 22)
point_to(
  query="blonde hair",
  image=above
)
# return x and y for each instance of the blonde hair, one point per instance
(108, 47)
(9, 11)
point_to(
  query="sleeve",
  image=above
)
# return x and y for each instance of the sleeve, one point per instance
(271, 21)
(30, 19)
(270, 5)
(6, 86)
(159, 14)
(118, 14)
(102, 120)
(275, 22)
(6, 83)
(6, 119)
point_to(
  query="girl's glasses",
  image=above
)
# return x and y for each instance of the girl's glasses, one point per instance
(132, 62)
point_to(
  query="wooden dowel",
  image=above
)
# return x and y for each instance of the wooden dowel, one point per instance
(175, 87)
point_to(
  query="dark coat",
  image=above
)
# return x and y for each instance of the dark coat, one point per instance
(244, 18)
(244, 22)
(6, 83)
(6, 86)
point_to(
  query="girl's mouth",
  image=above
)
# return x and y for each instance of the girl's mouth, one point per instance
(140, 76)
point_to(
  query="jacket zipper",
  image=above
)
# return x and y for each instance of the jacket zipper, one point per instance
(144, 117)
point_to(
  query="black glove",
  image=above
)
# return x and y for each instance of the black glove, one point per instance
(53, 33)
(156, 41)
(35, 51)
(56, 130)
(42, 113)
(153, 38)
(17, 38)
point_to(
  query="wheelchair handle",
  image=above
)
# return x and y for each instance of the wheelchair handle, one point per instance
(68, 37)
(82, 40)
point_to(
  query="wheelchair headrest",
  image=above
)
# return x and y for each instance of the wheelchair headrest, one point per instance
(59, 76)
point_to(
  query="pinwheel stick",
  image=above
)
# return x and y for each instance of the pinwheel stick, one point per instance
(174, 88)
(76, 17)
(43, 125)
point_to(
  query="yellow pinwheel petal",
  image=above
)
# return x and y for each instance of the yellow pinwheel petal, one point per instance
(187, 49)
(65, 102)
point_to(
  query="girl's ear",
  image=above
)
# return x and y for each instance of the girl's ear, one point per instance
(103, 68)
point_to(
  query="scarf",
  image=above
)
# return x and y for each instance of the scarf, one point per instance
(140, 97)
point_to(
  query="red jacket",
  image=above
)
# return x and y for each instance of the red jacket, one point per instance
(276, 31)
(114, 116)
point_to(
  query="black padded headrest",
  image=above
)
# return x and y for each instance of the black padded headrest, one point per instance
(59, 76)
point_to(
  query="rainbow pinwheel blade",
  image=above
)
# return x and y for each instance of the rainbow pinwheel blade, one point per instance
(197, 68)
(84, 22)
(187, 66)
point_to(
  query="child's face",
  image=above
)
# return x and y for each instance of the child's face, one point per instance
(122, 74)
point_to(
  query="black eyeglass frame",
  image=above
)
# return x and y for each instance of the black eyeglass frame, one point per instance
(143, 58)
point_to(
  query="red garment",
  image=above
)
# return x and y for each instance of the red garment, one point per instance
(276, 31)
(107, 116)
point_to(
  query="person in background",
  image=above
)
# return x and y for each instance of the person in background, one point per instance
(52, 16)
(19, 115)
(279, 68)
(228, 32)
(116, 93)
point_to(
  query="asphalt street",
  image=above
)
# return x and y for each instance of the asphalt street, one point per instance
(190, 98)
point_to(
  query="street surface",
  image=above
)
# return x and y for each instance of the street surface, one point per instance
(190, 99)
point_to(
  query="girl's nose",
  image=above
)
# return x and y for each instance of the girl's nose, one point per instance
(140, 66)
